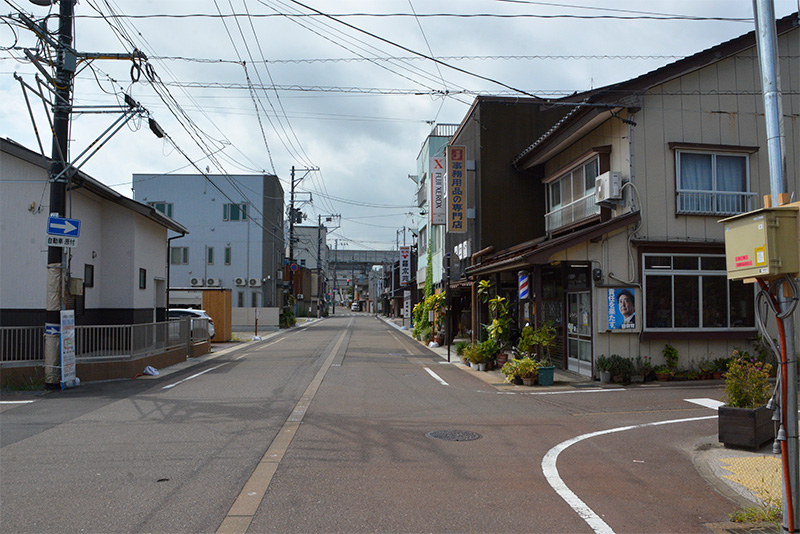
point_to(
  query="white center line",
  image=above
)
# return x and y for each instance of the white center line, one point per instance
(190, 377)
(17, 402)
(437, 377)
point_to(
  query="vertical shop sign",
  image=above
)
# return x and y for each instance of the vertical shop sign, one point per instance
(456, 190)
(438, 211)
(405, 265)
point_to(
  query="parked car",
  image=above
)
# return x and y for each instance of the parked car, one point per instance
(355, 306)
(177, 313)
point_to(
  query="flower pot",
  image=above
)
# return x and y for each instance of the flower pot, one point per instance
(439, 340)
(605, 377)
(481, 366)
(661, 377)
(745, 427)
(502, 358)
(637, 379)
(518, 381)
(528, 380)
(546, 375)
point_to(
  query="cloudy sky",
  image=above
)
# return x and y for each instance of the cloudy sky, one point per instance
(347, 87)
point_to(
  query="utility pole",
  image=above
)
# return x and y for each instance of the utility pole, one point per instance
(320, 287)
(767, 45)
(62, 108)
(294, 216)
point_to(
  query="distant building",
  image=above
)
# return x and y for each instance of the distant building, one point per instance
(236, 225)
(116, 273)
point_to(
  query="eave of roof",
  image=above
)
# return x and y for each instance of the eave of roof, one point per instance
(628, 93)
(540, 251)
(83, 180)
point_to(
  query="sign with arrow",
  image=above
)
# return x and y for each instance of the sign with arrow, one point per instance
(62, 232)
(59, 226)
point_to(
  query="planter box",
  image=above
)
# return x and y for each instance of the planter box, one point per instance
(745, 427)
(546, 376)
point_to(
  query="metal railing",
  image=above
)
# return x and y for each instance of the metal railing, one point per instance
(575, 211)
(115, 342)
(713, 202)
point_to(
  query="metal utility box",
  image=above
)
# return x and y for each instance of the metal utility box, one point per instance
(763, 243)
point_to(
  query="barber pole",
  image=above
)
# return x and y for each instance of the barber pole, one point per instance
(524, 286)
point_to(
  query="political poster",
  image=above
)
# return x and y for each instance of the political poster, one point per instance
(622, 308)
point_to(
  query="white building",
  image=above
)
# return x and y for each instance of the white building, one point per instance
(236, 225)
(118, 269)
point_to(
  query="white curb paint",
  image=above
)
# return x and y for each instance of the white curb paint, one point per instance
(437, 377)
(706, 403)
(554, 479)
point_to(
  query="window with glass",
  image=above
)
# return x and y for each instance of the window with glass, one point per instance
(163, 207)
(210, 255)
(690, 292)
(571, 195)
(234, 212)
(712, 183)
(179, 255)
(228, 254)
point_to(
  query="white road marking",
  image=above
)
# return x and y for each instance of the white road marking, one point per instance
(17, 402)
(554, 479)
(190, 377)
(706, 403)
(437, 377)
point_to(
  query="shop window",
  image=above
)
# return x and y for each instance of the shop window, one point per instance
(686, 292)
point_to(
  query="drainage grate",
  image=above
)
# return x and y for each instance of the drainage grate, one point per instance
(453, 435)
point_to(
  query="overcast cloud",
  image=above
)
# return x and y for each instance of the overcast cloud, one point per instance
(358, 121)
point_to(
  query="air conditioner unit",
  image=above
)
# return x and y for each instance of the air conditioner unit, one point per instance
(197, 282)
(255, 282)
(240, 281)
(608, 187)
(213, 282)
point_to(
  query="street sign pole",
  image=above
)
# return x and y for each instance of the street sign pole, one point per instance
(62, 108)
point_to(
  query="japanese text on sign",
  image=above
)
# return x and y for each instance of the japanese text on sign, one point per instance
(438, 212)
(405, 265)
(456, 190)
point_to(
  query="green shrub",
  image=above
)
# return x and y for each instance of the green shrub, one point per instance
(747, 382)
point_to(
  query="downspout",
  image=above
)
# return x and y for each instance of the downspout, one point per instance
(169, 247)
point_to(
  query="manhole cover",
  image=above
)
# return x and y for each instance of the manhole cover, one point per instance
(453, 435)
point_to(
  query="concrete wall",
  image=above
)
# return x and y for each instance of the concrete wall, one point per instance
(246, 317)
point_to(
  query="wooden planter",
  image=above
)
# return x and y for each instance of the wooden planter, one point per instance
(745, 427)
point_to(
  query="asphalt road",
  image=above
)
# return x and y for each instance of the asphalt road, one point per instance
(327, 429)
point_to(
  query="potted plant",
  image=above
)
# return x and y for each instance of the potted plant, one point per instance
(528, 369)
(436, 304)
(474, 355)
(500, 328)
(663, 373)
(603, 366)
(489, 350)
(511, 371)
(745, 421)
(641, 369)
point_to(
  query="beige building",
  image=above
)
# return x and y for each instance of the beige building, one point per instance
(635, 260)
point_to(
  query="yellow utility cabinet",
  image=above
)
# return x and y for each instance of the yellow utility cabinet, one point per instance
(763, 243)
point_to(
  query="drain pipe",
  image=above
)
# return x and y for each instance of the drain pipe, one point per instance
(474, 292)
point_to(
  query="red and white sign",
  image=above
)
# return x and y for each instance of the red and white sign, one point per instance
(405, 265)
(456, 190)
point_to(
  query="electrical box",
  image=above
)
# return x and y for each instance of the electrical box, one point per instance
(763, 243)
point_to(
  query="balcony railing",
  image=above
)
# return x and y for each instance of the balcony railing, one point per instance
(575, 211)
(713, 202)
(116, 342)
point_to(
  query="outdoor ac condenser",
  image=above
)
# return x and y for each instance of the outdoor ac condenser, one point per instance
(608, 187)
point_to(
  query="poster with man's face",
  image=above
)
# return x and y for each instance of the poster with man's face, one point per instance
(622, 308)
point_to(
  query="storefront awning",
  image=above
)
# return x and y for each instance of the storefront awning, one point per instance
(541, 252)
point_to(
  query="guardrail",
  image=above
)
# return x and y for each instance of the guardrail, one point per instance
(114, 342)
